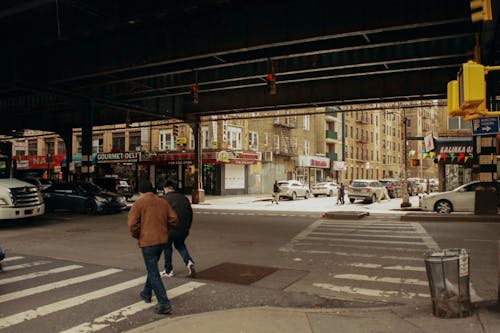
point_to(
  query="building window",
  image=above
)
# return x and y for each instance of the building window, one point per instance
(458, 123)
(253, 140)
(234, 136)
(166, 140)
(134, 140)
(50, 146)
(61, 147)
(33, 147)
(97, 144)
(266, 139)
(79, 145)
(118, 142)
(205, 138)
(192, 143)
(307, 147)
(307, 122)
(276, 143)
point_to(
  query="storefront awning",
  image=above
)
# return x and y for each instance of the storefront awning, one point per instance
(453, 150)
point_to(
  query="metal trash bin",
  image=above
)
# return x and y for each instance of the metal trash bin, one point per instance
(448, 276)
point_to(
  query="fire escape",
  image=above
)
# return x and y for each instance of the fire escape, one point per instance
(282, 129)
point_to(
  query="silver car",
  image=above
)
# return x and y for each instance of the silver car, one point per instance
(367, 190)
(292, 189)
(326, 188)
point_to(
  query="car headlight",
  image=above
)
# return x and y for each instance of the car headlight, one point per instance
(4, 202)
(101, 199)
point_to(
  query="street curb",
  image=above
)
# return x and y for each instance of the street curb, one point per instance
(344, 215)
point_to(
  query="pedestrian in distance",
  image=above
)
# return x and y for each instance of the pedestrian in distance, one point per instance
(148, 221)
(177, 235)
(340, 194)
(276, 192)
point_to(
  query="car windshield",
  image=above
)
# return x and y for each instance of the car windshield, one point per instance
(90, 188)
(359, 184)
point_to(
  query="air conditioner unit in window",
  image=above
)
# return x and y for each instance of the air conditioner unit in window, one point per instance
(268, 156)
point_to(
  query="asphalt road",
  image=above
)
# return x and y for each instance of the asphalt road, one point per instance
(310, 262)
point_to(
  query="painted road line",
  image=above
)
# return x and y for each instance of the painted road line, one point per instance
(377, 230)
(368, 224)
(12, 258)
(68, 303)
(355, 234)
(364, 255)
(397, 267)
(58, 284)
(360, 277)
(366, 241)
(369, 292)
(27, 265)
(429, 241)
(355, 246)
(38, 274)
(127, 311)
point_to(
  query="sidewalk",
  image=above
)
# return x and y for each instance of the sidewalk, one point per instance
(266, 319)
(270, 320)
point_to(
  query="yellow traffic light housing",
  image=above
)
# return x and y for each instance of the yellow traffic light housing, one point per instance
(471, 85)
(453, 107)
(175, 131)
(481, 10)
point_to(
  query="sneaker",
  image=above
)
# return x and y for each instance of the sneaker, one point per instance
(165, 274)
(191, 270)
(163, 309)
(145, 298)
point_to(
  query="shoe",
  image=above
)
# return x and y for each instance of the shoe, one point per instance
(145, 298)
(165, 274)
(191, 270)
(163, 309)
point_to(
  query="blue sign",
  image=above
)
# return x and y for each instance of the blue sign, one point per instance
(485, 126)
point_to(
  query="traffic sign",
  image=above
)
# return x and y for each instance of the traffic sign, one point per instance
(485, 126)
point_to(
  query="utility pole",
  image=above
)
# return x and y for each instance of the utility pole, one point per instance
(405, 196)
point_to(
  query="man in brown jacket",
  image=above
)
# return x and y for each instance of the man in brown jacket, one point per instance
(148, 222)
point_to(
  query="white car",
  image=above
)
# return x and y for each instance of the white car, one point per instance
(461, 199)
(368, 190)
(292, 189)
(326, 188)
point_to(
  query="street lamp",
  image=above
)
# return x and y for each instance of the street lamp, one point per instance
(406, 197)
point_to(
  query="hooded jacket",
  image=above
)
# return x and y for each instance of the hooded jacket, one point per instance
(182, 207)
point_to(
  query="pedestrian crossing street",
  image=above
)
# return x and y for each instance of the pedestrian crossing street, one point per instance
(59, 296)
(372, 259)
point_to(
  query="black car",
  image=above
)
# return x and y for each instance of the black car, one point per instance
(40, 183)
(116, 185)
(83, 198)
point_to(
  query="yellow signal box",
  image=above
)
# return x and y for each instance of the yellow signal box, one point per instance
(471, 85)
(453, 108)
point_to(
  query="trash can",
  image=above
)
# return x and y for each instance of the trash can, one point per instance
(448, 275)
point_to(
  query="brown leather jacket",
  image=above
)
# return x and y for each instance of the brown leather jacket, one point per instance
(149, 219)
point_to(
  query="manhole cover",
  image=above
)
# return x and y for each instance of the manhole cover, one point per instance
(236, 273)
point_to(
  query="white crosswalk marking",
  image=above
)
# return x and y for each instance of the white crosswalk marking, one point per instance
(370, 292)
(67, 303)
(9, 268)
(397, 267)
(38, 274)
(55, 285)
(125, 312)
(398, 280)
(13, 258)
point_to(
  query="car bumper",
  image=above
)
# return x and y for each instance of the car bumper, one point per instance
(110, 208)
(11, 213)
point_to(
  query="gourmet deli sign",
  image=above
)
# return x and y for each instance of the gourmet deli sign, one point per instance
(117, 157)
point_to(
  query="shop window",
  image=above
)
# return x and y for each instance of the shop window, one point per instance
(118, 141)
(253, 140)
(134, 141)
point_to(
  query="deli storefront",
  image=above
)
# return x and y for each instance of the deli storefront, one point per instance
(224, 172)
(454, 157)
(312, 169)
(122, 164)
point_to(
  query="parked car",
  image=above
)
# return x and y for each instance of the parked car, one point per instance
(291, 189)
(83, 198)
(393, 187)
(420, 185)
(326, 188)
(461, 199)
(116, 185)
(367, 190)
(41, 183)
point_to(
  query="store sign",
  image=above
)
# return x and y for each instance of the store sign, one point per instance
(339, 165)
(117, 157)
(38, 162)
(313, 161)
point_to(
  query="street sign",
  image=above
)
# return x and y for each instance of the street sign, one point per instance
(485, 126)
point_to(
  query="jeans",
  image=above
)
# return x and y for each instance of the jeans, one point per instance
(151, 255)
(181, 248)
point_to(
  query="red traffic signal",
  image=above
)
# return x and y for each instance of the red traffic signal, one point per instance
(415, 162)
(194, 93)
(271, 84)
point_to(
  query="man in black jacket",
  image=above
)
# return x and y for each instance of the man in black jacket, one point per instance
(178, 235)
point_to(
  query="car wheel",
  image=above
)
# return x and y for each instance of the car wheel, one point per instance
(443, 206)
(90, 207)
(294, 196)
(307, 195)
(330, 194)
(315, 195)
(352, 200)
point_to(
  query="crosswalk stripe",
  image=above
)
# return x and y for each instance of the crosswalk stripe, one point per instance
(350, 246)
(397, 267)
(360, 277)
(58, 284)
(375, 231)
(68, 303)
(366, 240)
(13, 258)
(125, 312)
(38, 274)
(365, 255)
(368, 224)
(27, 265)
(369, 292)
(364, 235)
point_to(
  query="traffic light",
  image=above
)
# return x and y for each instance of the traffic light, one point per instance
(271, 84)
(480, 10)
(453, 107)
(175, 130)
(415, 162)
(194, 93)
(471, 87)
